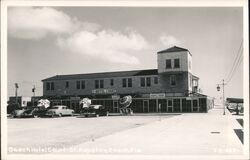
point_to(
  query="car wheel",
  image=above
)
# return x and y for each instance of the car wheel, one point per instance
(60, 114)
(52, 115)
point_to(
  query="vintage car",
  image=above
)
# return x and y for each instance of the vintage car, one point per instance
(23, 113)
(94, 110)
(40, 111)
(59, 110)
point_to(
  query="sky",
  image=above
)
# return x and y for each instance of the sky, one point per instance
(48, 41)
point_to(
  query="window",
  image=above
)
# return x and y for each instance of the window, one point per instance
(67, 84)
(52, 86)
(129, 82)
(142, 82)
(77, 84)
(102, 83)
(155, 80)
(99, 83)
(124, 82)
(176, 63)
(48, 85)
(168, 64)
(170, 103)
(172, 80)
(111, 82)
(96, 83)
(148, 80)
(83, 84)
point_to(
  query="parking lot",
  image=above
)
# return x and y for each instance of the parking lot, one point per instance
(69, 131)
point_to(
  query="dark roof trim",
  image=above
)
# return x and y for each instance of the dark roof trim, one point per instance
(235, 100)
(104, 75)
(174, 49)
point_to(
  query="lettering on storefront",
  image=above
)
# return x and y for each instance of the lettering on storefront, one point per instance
(116, 97)
(103, 91)
(157, 95)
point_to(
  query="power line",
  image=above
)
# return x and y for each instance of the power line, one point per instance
(235, 63)
(238, 63)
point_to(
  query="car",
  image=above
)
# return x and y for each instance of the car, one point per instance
(94, 110)
(40, 111)
(23, 113)
(59, 110)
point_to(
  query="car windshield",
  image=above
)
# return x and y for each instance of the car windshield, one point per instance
(54, 108)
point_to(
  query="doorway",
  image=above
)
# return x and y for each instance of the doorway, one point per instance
(115, 107)
(145, 106)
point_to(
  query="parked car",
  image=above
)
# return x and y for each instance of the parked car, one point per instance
(60, 110)
(94, 110)
(23, 113)
(40, 111)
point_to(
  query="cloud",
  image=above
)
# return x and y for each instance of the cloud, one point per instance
(108, 45)
(169, 40)
(36, 23)
(76, 36)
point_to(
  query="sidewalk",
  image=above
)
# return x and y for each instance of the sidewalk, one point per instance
(209, 133)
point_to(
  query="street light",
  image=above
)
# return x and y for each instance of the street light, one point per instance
(223, 102)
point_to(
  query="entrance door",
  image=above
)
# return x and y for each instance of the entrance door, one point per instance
(115, 107)
(195, 105)
(145, 106)
(189, 106)
(170, 105)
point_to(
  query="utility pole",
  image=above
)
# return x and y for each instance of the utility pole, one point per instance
(16, 87)
(34, 93)
(223, 95)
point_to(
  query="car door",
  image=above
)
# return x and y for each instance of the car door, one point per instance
(67, 110)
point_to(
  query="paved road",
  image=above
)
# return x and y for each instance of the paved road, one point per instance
(187, 134)
(67, 131)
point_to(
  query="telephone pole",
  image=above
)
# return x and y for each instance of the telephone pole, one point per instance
(223, 94)
(16, 87)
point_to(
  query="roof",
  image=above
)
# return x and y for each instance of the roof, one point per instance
(104, 75)
(195, 77)
(174, 49)
(235, 100)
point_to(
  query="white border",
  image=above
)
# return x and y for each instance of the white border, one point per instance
(172, 3)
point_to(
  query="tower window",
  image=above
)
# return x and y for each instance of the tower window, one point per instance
(172, 80)
(176, 63)
(168, 64)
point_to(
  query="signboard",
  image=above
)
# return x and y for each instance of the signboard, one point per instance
(116, 97)
(189, 98)
(157, 95)
(103, 91)
(75, 98)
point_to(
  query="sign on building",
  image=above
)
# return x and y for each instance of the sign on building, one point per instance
(157, 95)
(103, 91)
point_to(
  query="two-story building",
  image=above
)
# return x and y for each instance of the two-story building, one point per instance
(171, 87)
